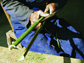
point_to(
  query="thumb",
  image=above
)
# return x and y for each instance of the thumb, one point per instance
(46, 9)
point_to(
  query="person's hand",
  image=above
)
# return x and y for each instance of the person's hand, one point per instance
(35, 16)
(50, 8)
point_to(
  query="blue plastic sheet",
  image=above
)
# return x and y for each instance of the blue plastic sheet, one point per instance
(71, 42)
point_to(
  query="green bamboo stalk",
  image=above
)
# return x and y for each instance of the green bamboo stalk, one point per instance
(29, 30)
(24, 34)
(57, 41)
(31, 42)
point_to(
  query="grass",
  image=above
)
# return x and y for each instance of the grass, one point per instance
(35, 57)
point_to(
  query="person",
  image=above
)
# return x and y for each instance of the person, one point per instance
(29, 11)
(25, 12)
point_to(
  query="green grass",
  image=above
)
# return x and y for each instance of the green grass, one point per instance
(34, 57)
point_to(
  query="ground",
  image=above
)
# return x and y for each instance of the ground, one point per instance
(13, 56)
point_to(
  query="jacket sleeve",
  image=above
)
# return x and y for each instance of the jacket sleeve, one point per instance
(17, 10)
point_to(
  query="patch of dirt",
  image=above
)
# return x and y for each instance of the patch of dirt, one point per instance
(13, 56)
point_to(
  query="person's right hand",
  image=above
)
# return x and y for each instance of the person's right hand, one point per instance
(36, 15)
(51, 7)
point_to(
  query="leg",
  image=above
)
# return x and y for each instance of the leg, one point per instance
(10, 36)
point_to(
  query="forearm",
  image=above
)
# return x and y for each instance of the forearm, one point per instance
(17, 10)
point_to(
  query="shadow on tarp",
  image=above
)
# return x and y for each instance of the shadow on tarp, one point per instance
(76, 41)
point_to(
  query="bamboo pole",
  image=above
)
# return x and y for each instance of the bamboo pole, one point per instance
(29, 30)
(31, 42)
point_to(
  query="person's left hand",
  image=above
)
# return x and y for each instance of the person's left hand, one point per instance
(35, 17)
(50, 8)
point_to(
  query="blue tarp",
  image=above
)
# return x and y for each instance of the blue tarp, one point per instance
(71, 42)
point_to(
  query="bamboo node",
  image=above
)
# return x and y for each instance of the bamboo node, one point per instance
(11, 47)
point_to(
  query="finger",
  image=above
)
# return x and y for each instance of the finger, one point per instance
(51, 11)
(38, 26)
(32, 23)
(44, 14)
